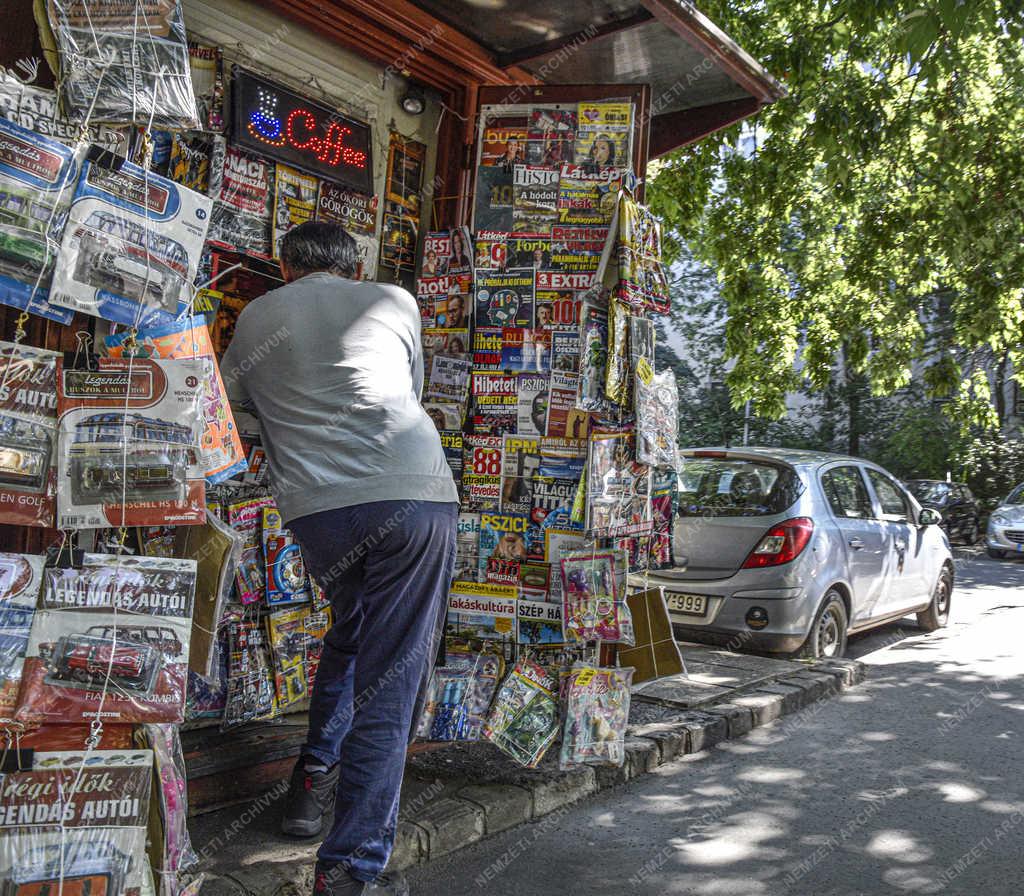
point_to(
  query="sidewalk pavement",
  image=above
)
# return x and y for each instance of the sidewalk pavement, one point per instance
(459, 793)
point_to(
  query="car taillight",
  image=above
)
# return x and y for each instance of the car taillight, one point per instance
(781, 544)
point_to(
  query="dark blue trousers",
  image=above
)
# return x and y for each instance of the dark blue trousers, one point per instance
(386, 568)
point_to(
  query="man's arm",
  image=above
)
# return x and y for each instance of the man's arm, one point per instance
(231, 371)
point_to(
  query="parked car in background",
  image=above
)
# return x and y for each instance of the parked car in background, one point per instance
(961, 514)
(792, 551)
(1005, 532)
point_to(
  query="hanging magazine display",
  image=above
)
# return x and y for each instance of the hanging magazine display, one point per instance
(524, 720)
(657, 416)
(594, 608)
(21, 577)
(631, 263)
(618, 487)
(124, 63)
(596, 716)
(241, 186)
(295, 198)
(131, 246)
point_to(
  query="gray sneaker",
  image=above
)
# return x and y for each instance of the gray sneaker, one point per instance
(310, 796)
(392, 884)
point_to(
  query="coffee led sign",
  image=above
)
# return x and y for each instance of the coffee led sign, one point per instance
(277, 123)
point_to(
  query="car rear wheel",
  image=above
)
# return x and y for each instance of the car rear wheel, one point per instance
(937, 614)
(996, 554)
(828, 634)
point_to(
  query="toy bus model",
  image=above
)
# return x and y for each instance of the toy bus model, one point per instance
(113, 255)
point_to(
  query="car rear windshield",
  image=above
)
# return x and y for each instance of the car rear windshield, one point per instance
(929, 492)
(712, 487)
(1016, 496)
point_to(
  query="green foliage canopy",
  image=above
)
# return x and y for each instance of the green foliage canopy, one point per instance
(885, 190)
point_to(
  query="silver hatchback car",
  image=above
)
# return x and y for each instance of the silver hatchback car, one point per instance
(791, 551)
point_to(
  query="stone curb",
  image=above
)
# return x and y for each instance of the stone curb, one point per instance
(476, 811)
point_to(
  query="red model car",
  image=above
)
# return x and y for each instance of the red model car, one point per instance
(88, 660)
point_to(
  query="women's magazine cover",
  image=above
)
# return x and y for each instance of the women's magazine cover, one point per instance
(37, 182)
(21, 578)
(75, 826)
(129, 434)
(131, 247)
(28, 435)
(220, 449)
(110, 640)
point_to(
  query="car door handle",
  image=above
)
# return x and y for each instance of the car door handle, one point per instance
(856, 544)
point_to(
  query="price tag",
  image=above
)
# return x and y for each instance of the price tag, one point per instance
(644, 371)
(585, 677)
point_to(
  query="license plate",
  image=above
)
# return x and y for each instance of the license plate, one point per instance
(690, 604)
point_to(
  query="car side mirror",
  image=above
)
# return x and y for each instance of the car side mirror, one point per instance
(929, 517)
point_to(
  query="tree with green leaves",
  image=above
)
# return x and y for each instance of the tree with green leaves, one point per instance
(874, 215)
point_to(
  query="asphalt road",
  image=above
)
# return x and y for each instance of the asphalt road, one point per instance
(913, 782)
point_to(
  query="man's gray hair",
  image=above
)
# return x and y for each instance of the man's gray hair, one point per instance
(319, 246)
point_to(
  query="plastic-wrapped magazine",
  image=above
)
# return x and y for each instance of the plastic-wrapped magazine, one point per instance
(287, 582)
(126, 63)
(657, 417)
(559, 543)
(37, 183)
(654, 551)
(129, 430)
(77, 827)
(21, 577)
(189, 161)
(220, 449)
(251, 695)
(631, 261)
(28, 435)
(131, 246)
(110, 639)
(293, 647)
(594, 336)
(459, 694)
(597, 713)
(449, 379)
(525, 349)
(618, 487)
(524, 719)
(617, 378)
(593, 601)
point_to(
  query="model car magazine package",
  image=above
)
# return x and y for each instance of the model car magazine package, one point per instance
(124, 63)
(596, 715)
(594, 599)
(110, 640)
(129, 434)
(131, 246)
(28, 435)
(21, 577)
(75, 827)
(37, 182)
(220, 450)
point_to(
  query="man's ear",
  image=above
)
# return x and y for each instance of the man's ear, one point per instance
(286, 273)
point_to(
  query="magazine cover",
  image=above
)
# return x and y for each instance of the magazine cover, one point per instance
(617, 381)
(459, 694)
(295, 202)
(539, 622)
(467, 547)
(596, 716)
(551, 135)
(535, 578)
(565, 350)
(490, 251)
(525, 718)
(535, 199)
(562, 458)
(618, 487)
(445, 415)
(242, 188)
(577, 247)
(495, 403)
(526, 350)
(487, 345)
(252, 695)
(503, 536)
(552, 498)
(504, 298)
(76, 827)
(529, 250)
(560, 543)
(452, 443)
(110, 640)
(481, 476)
(479, 611)
(206, 66)
(603, 133)
(565, 420)
(592, 607)
(136, 467)
(449, 379)
(220, 449)
(492, 207)
(557, 308)
(356, 212)
(189, 162)
(131, 246)
(37, 181)
(443, 341)
(505, 146)
(28, 435)
(587, 194)
(520, 460)
(246, 518)
(654, 551)
(452, 310)
(532, 411)
(21, 578)
(287, 582)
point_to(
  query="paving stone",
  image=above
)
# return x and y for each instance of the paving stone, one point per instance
(851, 671)
(669, 737)
(504, 805)
(554, 791)
(817, 684)
(739, 719)
(764, 707)
(450, 824)
(793, 698)
(704, 730)
(410, 846)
